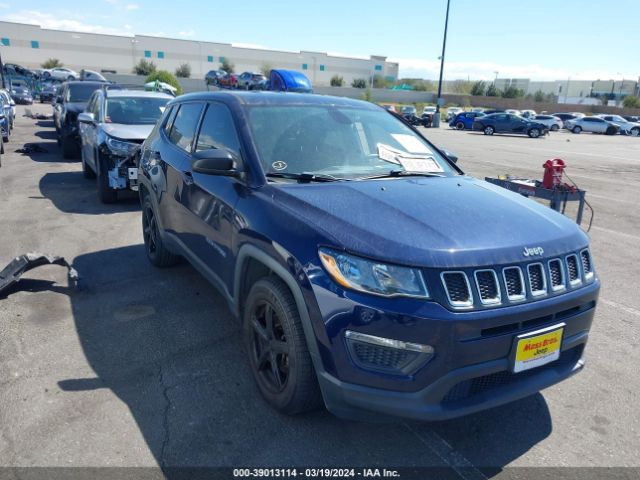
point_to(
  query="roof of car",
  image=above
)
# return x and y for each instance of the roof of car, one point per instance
(85, 82)
(276, 98)
(137, 93)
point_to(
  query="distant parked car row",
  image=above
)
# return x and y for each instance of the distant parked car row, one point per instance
(530, 123)
(245, 81)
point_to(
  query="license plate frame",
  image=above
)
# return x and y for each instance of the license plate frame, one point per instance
(525, 358)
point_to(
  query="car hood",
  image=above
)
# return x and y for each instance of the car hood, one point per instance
(127, 132)
(430, 221)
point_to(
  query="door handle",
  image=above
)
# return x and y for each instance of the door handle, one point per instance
(187, 177)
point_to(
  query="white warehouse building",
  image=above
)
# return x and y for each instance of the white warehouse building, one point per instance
(31, 45)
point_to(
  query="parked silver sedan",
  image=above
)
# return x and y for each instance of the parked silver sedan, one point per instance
(591, 124)
(626, 127)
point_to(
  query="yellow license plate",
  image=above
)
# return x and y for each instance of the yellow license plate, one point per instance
(538, 348)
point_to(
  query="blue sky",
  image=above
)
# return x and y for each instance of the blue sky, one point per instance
(539, 39)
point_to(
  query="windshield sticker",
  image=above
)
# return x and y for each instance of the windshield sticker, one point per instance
(279, 165)
(388, 154)
(410, 143)
(419, 164)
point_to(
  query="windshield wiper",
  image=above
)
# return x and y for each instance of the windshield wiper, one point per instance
(402, 173)
(305, 177)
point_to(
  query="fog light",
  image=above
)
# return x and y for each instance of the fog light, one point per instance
(387, 355)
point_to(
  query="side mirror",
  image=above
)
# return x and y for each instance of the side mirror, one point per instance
(451, 156)
(215, 161)
(86, 117)
(59, 99)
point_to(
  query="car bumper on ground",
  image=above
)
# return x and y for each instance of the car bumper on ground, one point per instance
(468, 373)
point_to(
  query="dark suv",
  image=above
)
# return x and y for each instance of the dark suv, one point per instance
(367, 270)
(71, 99)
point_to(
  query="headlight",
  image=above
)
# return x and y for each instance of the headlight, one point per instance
(121, 148)
(373, 277)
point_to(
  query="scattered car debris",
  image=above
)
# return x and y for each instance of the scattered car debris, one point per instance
(37, 116)
(30, 148)
(23, 263)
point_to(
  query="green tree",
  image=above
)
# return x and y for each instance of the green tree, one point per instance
(631, 101)
(551, 98)
(418, 84)
(512, 92)
(462, 87)
(492, 91)
(378, 81)
(166, 77)
(478, 88)
(266, 69)
(359, 83)
(183, 71)
(227, 65)
(52, 63)
(144, 67)
(538, 96)
(337, 81)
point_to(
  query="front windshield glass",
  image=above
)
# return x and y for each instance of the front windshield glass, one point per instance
(344, 142)
(79, 92)
(134, 110)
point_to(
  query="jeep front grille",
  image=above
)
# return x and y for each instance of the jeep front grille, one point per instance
(503, 285)
(514, 283)
(458, 289)
(557, 275)
(488, 287)
(573, 269)
(587, 267)
(537, 280)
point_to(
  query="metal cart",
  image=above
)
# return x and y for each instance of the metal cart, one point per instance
(558, 198)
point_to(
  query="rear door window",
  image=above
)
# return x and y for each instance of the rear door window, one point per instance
(184, 126)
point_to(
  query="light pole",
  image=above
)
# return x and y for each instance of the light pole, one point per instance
(566, 92)
(436, 116)
(495, 80)
(133, 52)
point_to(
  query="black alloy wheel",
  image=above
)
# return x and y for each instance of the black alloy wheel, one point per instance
(278, 353)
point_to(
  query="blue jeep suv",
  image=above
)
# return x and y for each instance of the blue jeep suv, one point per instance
(367, 270)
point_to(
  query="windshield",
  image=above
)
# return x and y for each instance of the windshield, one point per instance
(79, 92)
(344, 142)
(134, 110)
(408, 110)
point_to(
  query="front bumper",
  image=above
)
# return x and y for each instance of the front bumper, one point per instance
(472, 366)
(461, 392)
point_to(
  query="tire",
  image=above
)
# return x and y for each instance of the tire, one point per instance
(71, 78)
(576, 129)
(106, 194)
(489, 130)
(154, 247)
(459, 126)
(611, 131)
(5, 139)
(635, 132)
(554, 128)
(278, 354)
(69, 149)
(534, 133)
(86, 169)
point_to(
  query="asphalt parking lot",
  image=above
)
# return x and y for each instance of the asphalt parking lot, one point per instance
(144, 367)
